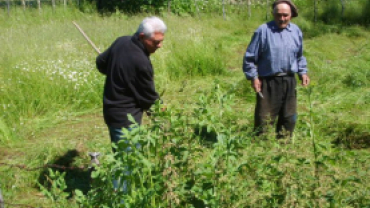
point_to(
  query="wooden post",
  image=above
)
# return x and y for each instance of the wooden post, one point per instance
(8, 6)
(65, 3)
(315, 11)
(249, 4)
(196, 7)
(267, 9)
(343, 8)
(53, 4)
(223, 9)
(39, 5)
(169, 6)
(24, 5)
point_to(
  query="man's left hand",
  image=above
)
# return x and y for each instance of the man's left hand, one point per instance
(305, 80)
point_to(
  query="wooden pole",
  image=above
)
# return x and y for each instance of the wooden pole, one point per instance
(223, 9)
(39, 5)
(343, 8)
(24, 5)
(196, 7)
(169, 6)
(86, 37)
(315, 11)
(53, 4)
(8, 6)
(267, 9)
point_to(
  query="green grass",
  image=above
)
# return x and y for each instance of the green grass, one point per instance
(50, 96)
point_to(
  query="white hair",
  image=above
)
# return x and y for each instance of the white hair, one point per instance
(150, 25)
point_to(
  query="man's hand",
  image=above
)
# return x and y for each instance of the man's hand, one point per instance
(256, 85)
(305, 80)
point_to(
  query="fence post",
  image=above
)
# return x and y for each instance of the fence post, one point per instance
(53, 4)
(8, 6)
(168, 6)
(223, 9)
(196, 7)
(267, 9)
(39, 5)
(24, 5)
(315, 11)
(343, 9)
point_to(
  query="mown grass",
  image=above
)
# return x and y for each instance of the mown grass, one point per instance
(51, 99)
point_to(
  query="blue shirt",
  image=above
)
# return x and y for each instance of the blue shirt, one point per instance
(273, 50)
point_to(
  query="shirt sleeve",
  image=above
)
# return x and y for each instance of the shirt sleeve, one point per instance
(302, 62)
(145, 89)
(251, 56)
(102, 60)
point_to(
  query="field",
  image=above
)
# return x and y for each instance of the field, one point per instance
(201, 152)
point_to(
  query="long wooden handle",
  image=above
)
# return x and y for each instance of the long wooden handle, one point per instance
(86, 37)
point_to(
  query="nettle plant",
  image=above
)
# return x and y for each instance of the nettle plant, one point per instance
(185, 159)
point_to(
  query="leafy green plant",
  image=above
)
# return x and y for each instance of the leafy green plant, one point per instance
(56, 186)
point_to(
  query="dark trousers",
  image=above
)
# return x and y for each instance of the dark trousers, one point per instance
(279, 100)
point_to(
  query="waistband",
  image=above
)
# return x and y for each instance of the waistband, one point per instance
(279, 74)
(283, 74)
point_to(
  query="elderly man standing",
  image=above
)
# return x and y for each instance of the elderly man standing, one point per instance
(129, 85)
(273, 57)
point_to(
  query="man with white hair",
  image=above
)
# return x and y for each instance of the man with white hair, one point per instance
(273, 57)
(129, 85)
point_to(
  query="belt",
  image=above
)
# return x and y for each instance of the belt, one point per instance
(279, 74)
(283, 74)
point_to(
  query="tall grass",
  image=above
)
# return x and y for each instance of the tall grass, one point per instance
(50, 93)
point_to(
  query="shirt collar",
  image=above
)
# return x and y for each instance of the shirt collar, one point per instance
(276, 28)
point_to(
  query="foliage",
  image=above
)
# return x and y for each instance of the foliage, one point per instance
(175, 167)
(57, 186)
(198, 152)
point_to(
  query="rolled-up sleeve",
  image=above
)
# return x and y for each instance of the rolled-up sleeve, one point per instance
(251, 57)
(302, 62)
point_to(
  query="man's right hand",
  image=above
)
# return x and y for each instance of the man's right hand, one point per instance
(256, 85)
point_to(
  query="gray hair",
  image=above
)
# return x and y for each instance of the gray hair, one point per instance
(150, 25)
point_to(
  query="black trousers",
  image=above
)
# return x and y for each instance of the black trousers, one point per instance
(279, 100)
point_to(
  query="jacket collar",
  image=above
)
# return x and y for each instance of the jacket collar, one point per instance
(135, 39)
